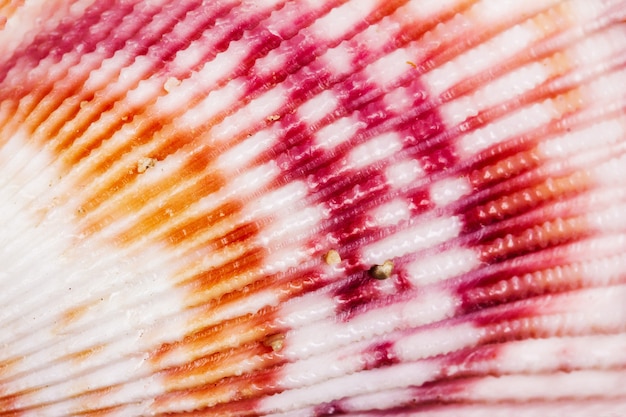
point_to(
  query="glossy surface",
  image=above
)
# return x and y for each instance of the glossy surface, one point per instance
(312, 208)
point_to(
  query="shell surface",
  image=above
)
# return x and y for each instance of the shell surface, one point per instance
(310, 208)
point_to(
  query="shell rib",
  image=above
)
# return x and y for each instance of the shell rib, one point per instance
(311, 208)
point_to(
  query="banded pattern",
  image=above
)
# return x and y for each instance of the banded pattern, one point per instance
(312, 207)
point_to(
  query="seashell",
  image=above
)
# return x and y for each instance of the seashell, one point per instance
(311, 208)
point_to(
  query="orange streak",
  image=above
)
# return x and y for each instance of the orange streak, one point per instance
(548, 234)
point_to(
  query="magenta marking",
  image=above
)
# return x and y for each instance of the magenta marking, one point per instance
(467, 362)
(490, 314)
(419, 201)
(355, 92)
(178, 36)
(438, 392)
(302, 49)
(81, 34)
(332, 408)
(380, 355)
(231, 29)
(350, 193)
(357, 291)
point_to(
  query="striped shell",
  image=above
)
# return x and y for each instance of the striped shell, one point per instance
(313, 207)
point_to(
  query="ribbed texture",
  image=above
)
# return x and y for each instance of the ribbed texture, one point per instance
(309, 208)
